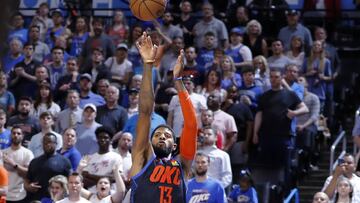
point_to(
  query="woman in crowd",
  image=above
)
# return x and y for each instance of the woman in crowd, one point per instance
(230, 77)
(262, 72)
(213, 84)
(58, 189)
(79, 37)
(44, 101)
(133, 53)
(119, 30)
(317, 71)
(254, 40)
(296, 52)
(344, 191)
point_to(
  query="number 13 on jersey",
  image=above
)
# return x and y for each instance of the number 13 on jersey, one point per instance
(165, 194)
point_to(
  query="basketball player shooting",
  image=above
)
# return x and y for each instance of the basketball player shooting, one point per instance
(156, 175)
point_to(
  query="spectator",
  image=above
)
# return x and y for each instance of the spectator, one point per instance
(133, 102)
(278, 60)
(46, 123)
(5, 134)
(191, 67)
(42, 20)
(7, 100)
(207, 120)
(14, 56)
(170, 56)
(58, 29)
(321, 197)
(229, 75)
(18, 31)
(222, 121)
(164, 95)
(205, 57)
(119, 66)
(99, 40)
(254, 40)
(28, 124)
(101, 86)
(68, 149)
(202, 187)
(58, 189)
(240, 19)
(86, 95)
(119, 29)
(57, 66)
(210, 23)
(44, 101)
(306, 126)
(22, 78)
(186, 21)
(168, 28)
(124, 144)
(213, 84)
(244, 123)
(71, 80)
(219, 167)
(86, 139)
(295, 28)
(244, 191)
(41, 49)
(16, 160)
(68, 117)
(133, 53)
(44, 167)
(343, 170)
(75, 185)
(111, 114)
(103, 188)
(240, 53)
(344, 191)
(272, 128)
(175, 117)
(296, 52)
(290, 80)
(249, 92)
(79, 37)
(96, 68)
(317, 72)
(96, 168)
(262, 72)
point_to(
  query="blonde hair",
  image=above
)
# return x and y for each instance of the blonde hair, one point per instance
(264, 61)
(232, 63)
(62, 180)
(253, 22)
(312, 58)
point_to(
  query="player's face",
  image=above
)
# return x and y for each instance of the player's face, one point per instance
(163, 142)
(103, 187)
(201, 165)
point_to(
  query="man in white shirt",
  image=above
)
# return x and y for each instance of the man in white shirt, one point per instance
(16, 160)
(175, 116)
(345, 168)
(75, 184)
(220, 167)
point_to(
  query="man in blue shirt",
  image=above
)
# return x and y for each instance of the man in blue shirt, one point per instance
(69, 150)
(202, 188)
(86, 95)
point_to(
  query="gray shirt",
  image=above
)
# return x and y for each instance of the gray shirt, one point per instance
(313, 103)
(86, 139)
(215, 25)
(286, 33)
(63, 119)
(278, 62)
(172, 31)
(41, 51)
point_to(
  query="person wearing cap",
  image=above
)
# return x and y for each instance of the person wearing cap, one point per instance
(203, 188)
(46, 123)
(244, 191)
(86, 94)
(119, 66)
(210, 23)
(86, 140)
(295, 28)
(58, 29)
(240, 53)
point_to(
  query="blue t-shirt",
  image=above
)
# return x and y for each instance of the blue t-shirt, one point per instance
(9, 62)
(248, 196)
(20, 34)
(209, 191)
(205, 58)
(7, 99)
(73, 155)
(5, 139)
(77, 44)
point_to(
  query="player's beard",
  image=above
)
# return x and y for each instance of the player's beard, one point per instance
(162, 152)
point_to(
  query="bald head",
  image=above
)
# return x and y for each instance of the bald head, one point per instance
(321, 197)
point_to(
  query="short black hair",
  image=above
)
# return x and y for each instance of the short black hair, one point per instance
(57, 47)
(29, 44)
(25, 98)
(104, 129)
(164, 126)
(50, 134)
(212, 34)
(247, 69)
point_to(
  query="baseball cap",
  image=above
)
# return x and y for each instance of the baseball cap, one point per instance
(122, 46)
(85, 76)
(90, 105)
(59, 11)
(291, 12)
(238, 31)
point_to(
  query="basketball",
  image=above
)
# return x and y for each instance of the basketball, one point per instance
(147, 10)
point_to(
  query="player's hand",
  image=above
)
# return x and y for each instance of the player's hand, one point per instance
(146, 48)
(179, 65)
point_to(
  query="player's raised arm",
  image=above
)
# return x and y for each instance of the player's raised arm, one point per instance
(189, 133)
(142, 150)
